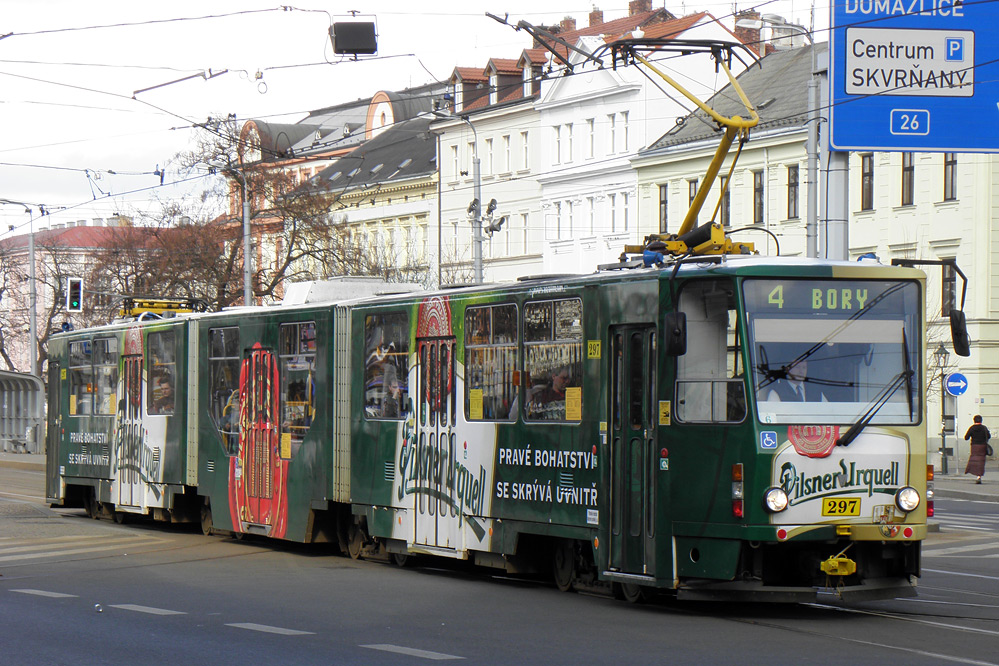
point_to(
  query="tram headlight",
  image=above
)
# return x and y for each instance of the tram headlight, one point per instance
(775, 500)
(907, 499)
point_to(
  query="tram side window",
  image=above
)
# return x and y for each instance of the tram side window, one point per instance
(105, 376)
(710, 376)
(81, 378)
(386, 366)
(162, 373)
(297, 357)
(223, 382)
(491, 375)
(553, 360)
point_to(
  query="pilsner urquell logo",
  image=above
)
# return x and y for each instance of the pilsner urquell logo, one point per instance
(801, 487)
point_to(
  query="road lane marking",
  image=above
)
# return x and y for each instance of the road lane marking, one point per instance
(958, 573)
(939, 552)
(76, 551)
(36, 545)
(45, 593)
(412, 652)
(269, 629)
(147, 609)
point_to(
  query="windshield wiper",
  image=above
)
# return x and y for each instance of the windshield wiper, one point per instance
(904, 377)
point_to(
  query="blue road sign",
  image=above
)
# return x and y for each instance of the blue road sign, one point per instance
(919, 75)
(956, 384)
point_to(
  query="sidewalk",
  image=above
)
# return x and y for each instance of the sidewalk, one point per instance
(34, 461)
(963, 486)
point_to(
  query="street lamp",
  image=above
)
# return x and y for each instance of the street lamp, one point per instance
(32, 293)
(475, 209)
(812, 147)
(247, 266)
(940, 355)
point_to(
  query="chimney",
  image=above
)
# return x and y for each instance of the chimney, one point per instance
(596, 17)
(568, 24)
(749, 36)
(639, 6)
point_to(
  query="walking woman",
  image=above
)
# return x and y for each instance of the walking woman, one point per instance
(979, 436)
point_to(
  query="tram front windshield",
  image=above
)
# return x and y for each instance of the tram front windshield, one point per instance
(834, 351)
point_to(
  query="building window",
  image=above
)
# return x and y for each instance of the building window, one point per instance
(867, 181)
(624, 131)
(557, 144)
(489, 157)
(950, 177)
(625, 211)
(663, 209)
(691, 194)
(524, 154)
(591, 207)
(558, 220)
(524, 218)
(455, 166)
(590, 138)
(758, 197)
(507, 164)
(723, 204)
(612, 133)
(570, 210)
(908, 178)
(612, 205)
(473, 154)
(568, 142)
(792, 192)
(948, 298)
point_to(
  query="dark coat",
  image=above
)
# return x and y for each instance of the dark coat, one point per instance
(979, 436)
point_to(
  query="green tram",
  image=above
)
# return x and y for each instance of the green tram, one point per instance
(637, 429)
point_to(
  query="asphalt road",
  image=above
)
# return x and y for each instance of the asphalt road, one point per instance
(77, 591)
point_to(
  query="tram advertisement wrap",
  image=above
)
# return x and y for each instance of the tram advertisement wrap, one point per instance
(855, 483)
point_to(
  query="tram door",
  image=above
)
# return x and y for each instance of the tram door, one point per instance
(435, 512)
(53, 430)
(633, 438)
(258, 466)
(128, 433)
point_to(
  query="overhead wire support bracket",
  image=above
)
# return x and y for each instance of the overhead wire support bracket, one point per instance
(204, 75)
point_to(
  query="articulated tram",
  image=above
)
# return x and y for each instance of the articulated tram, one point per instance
(637, 429)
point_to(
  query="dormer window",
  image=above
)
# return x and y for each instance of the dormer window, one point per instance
(493, 88)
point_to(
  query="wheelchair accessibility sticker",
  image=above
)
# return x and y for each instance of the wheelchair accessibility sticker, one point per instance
(768, 440)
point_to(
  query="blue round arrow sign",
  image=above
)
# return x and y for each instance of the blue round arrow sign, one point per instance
(956, 384)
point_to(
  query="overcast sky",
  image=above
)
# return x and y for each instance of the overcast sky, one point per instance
(69, 113)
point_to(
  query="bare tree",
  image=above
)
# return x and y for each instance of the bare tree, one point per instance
(13, 308)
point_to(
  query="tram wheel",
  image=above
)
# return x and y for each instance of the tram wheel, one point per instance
(564, 565)
(120, 517)
(91, 506)
(630, 592)
(206, 519)
(355, 542)
(401, 559)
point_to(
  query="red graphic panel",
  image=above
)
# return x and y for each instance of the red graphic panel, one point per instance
(813, 441)
(258, 481)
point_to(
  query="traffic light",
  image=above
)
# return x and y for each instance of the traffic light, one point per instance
(74, 295)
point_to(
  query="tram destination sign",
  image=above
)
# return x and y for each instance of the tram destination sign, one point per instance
(916, 75)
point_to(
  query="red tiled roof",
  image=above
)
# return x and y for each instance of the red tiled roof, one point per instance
(674, 28)
(534, 56)
(69, 238)
(504, 66)
(469, 74)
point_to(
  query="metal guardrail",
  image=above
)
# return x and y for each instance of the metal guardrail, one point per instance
(22, 410)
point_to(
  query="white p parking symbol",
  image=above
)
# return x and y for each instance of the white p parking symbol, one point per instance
(955, 49)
